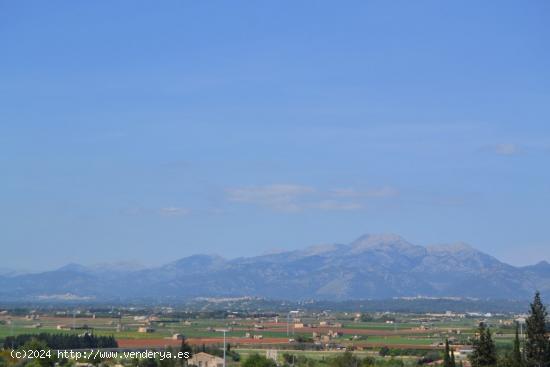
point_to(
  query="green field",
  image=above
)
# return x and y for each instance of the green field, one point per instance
(402, 333)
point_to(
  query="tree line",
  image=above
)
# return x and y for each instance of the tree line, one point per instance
(533, 352)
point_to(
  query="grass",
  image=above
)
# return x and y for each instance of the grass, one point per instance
(380, 326)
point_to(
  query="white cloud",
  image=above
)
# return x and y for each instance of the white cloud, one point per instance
(336, 205)
(382, 192)
(174, 211)
(506, 149)
(277, 196)
(147, 211)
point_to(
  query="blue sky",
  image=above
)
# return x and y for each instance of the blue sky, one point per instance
(148, 131)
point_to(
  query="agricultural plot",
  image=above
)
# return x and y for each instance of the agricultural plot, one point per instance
(149, 330)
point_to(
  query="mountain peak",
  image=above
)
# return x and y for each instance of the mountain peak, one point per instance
(320, 249)
(371, 241)
(377, 239)
(541, 266)
(118, 266)
(458, 247)
(386, 243)
(73, 267)
(197, 262)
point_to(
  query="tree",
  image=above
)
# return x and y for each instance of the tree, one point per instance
(365, 317)
(346, 359)
(147, 362)
(453, 360)
(369, 361)
(447, 355)
(384, 351)
(537, 349)
(167, 362)
(185, 348)
(289, 358)
(256, 360)
(517, 358)
(484, 354)
(49, 358)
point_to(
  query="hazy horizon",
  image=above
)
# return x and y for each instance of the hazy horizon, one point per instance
(149, 132)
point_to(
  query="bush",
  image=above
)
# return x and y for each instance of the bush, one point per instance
(256, 360)
(384, 351)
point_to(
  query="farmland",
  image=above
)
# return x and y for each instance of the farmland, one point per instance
(157, 328)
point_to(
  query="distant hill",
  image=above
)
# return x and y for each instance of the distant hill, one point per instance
(371, 267)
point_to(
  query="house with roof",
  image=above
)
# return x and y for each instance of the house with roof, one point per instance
(205, 360)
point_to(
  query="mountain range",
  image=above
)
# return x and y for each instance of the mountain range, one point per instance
(371, 267)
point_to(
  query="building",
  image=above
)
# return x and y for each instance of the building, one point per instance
(145, 329)
(335, 334)
(205, 360)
